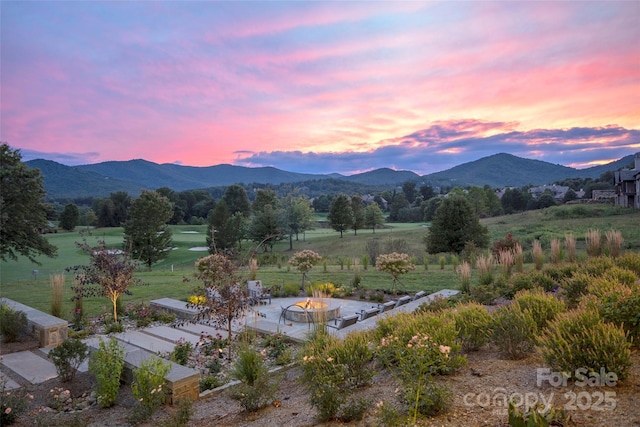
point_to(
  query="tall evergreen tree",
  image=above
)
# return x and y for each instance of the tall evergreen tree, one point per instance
(340, 213)
(373, 216)
(455, 223)
(237, 200)
(147, 236)
(357, 207)
(70, 217)
(22, 209)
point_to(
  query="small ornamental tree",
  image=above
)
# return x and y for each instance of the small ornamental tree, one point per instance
(226, 299)
(304, 262)
(395, 264)
(109, 274)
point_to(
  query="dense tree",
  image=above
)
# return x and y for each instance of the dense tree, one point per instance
(409, 191)
(373, 216)
(299, 216)
(455, 223)
(545, 200)
(237, 200)
(146, 235)
(357, 207)
(109, 274)
(427, 192)
(399, 201)
(322, 203)
(494, 207)
(104, 211)
(224, 230)
(513, 201)
(267, 226)
(430, 207)
(22, 209)
(569, 196)
(121, 203)
(178, 212)
(478, 199)
(340, 213)
(263, 198)
(70, 217)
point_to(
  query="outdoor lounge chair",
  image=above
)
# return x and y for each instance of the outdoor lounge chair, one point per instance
(257, 294)
(343, 322)
(387, 306)
(366, 314)
(419, 294)
(403, 300)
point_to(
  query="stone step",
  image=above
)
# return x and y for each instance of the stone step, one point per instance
(173, 334)
(9, 384)
(33, 368)
(146, 341)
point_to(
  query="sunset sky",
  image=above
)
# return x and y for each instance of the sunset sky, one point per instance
(321, 87)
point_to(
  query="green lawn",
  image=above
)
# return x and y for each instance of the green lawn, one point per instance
(167, 278)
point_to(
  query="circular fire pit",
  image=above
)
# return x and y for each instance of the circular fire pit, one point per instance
(311, 311)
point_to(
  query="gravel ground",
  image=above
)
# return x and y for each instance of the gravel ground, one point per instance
(485, 375)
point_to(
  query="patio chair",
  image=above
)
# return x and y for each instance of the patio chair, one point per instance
(389, 305)
(257, 294)
(367, 314)
(419, 294)
(343, 322)
(403, 300)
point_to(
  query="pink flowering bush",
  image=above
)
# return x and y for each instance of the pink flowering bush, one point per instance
(12, 403)
(395, 264)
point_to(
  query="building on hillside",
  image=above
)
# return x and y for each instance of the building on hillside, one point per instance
(558, 191)
(627, 185)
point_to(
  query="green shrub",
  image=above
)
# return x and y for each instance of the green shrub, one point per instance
(473, 323)
(13, 403)
(333, 368)
(559, 272)
(67, 358)
(537, 417)
(209, 382)
(181, 352)
(597, 266)
(353, 410)
(182, 415)
(275, 344)
(13, 324)
(149, 388)
(574, 287)
(106, 365)
(429, 399)
(255, 391)
(630, 261)
(513, 331)
(618, 304)
(542, 306)
(620, 275)
(582, 339)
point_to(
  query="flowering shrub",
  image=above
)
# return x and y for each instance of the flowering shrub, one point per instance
(332, 369)
(12, 403)
(149, 387)
(144, 315)
(395, 264)
(197, 299)
(58, 398)
(304, 260)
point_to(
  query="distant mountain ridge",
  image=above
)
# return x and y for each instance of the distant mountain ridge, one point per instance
(132, 176)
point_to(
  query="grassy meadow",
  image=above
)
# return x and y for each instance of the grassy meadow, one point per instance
(343, 256)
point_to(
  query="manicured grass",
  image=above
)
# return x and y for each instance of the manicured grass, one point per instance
(173, 276)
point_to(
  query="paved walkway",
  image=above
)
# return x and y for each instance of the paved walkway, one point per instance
(34, 367)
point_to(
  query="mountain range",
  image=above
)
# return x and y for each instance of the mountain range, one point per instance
(132, 176)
